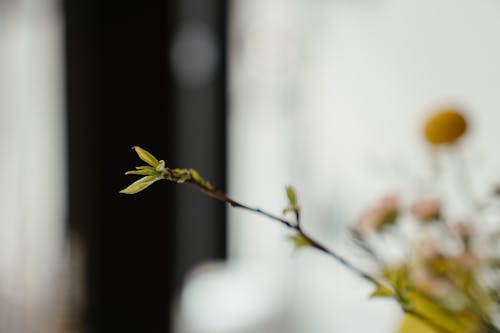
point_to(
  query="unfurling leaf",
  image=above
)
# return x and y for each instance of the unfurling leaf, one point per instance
(140, 184)
(180, 175)
(292, 197)
(382, 291)
(292, 201)
(142, 172)
(299, 241)
(146, 156)
(146, 167)
(399, 280)
(195, 176)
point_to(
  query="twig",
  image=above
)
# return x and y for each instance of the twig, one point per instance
(295, 226)
(219, 195)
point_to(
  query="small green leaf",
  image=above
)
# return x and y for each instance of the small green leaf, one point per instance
(292, 201)
(399, 279)
(292, 196)
(140, 184)
(199, 179)
(180, 175)
(161, 166)
(196, 176)
(299, 241)
(145, 167)
(146, 156)
(143, 172)
(382, 291)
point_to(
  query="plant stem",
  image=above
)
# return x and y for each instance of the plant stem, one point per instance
(295, 226)
(221, 196)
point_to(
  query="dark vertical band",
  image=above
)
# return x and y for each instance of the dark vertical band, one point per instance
(122, 91)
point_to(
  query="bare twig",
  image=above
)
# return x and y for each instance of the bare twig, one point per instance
(295, 226)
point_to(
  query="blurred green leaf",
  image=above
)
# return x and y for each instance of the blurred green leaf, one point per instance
(143, 172)
(292, 196)
(382, 291)
(146, 156)
(399, 280)
(140, 184)
(146, 167)
(292, 201)
(195, 176)
(180, 175)
(299, 241)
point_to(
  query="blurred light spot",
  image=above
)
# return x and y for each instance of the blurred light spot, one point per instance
(232, 298)
(193, 55)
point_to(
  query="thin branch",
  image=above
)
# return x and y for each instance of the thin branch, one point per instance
(295, 226)
(221, 196)
(339, 258)
(297, 217)
(225, 198)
